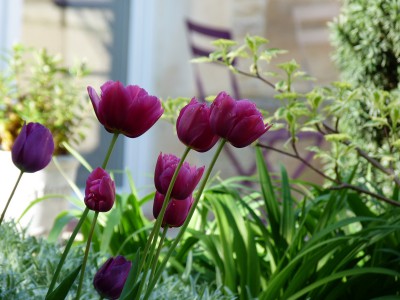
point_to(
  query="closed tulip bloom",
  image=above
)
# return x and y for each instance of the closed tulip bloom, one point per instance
(99, 191)
(33, 148)
(176, 212)
(127, 110)
(239, 122)
(193, 127)
(111, 277)
(188, 176)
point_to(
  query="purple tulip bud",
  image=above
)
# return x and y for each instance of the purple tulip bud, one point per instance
(33, 149)
(188, 176)
(193, 127)
(239, 122)
(111, 277)
(128, 110)
(99, 191)
(176, 212)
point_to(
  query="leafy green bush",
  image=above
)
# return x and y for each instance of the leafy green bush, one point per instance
(28, 264)
(367, 43)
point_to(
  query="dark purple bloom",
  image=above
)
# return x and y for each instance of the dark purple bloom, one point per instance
(193, 127)
(127, 110)
(111, 277)
(33, 149)
(176, 212)
(188, 176)
(239, 122)
(99, 191)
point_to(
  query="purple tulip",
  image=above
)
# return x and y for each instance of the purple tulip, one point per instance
(99, 191)
(188, 176)
(193, 127)
(239, 122)
(111, 277)
(33, 149)
(128, 110)
(176, 212)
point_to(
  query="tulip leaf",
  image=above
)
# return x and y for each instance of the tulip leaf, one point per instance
(132, 282)
(62, 290)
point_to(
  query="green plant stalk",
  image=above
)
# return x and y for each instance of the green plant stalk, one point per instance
(66, 250)
(155, 258)
(11, 196)
(79, 225)
(156, 229)
(85, 257)
(187, 221)
(110, 149)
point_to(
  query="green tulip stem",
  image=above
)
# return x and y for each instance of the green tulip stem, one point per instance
(79, 225)
(110, 149)
(155, 259)
(66, 250)
(11, 195)
(85, 257)
(152, 240)
(186, 223)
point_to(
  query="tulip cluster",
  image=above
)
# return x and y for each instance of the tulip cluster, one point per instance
(239, 122)
(181, 195)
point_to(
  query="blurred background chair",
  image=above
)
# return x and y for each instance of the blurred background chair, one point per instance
(198, 36)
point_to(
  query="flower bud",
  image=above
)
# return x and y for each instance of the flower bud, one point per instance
(99, 191)
(33, 148)
(188, 176)
(127, 110)
(193, 127)
(111, 277)
(176, 212)
(239, 122)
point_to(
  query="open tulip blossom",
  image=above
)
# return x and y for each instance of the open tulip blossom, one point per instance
(193, 127)
(239, 122)
(33, 148)
(99, 191)
(128, 110)
(177, 210)
(188, 176)
(111, 277)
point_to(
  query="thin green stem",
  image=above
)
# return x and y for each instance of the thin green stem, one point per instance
(89, 240)
(155, 258)
(110, 149)
(11, 195)
(66, 250)
(187, 221)
(156, 229)
(79, 225)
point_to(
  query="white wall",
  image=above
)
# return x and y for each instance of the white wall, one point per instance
(10, 24)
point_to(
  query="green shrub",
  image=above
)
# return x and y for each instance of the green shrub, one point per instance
(367, 42)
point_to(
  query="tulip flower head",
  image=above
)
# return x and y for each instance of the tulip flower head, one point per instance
(193, 127)
(33, 148)
(239, 122)
(188, 176)
(177, 210)
(111, 277)
(99, 191)
(128, 110)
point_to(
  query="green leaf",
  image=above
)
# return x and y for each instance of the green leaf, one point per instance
(339, 275)
(287, 221)
(271, 204)
(62, 290)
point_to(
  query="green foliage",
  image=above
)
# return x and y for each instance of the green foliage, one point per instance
(28, 264)
(36, 87)
(367, 42)
(267, 245)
